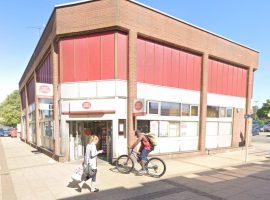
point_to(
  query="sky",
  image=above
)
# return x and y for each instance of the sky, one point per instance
(245, 22)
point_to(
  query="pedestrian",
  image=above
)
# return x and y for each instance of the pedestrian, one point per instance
(90, 159)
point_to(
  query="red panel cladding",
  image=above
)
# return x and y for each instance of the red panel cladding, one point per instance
(149, 62)
(214, 76)
(122, 56)
(225, 80)
(140, 60)
(94, 58)
(67, 60)
(31, 91)
(197, 72)
(230, 80)
(81, 59)
(167, 66)
(23, 99)
(158, 73)
(175, 68)
(239, 82)
(244, 83)
(107, 56)
(219, 78)
(234, 83)
(183, 70)
(210, 80)
(190, 71)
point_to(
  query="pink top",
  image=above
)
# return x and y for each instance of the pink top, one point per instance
(145, 143)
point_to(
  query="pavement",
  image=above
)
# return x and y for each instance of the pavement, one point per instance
(26, 174)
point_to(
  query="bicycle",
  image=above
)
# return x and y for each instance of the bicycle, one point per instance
(155, 167)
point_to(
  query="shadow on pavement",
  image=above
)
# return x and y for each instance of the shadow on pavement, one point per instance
(246, 182)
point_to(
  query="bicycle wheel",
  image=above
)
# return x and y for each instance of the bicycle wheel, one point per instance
(155, 167)
(124, 164)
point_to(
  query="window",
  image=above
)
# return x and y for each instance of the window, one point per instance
(229, 112)
(194, 111)
(143, 125)
(174, 129)
(170, 109)
(163, 128)
(222, 112)
(122, 127)
(213, 111)
(189, 129)
(185, 109)
(153, 107)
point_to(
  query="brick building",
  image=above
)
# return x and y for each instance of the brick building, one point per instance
(111, 66)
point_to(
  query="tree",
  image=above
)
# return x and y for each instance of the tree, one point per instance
(262, 113)
(10, 109)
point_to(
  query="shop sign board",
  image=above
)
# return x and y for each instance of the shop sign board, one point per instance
(44, 90)
(139, 107)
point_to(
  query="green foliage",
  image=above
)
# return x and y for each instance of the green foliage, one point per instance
(262, 113)
(10, 109)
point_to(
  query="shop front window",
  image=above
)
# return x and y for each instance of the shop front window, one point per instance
(153, 107)
(170, 109)
(143, 125)
(185, 109)
(194, 111)
(229, 112)
(212, 111)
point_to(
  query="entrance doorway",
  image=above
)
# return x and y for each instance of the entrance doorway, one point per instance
(81, 131)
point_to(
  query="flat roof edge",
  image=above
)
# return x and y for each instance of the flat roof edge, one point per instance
(72, 3)
(175, 18)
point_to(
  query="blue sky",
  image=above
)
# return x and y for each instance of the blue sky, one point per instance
(246, 22)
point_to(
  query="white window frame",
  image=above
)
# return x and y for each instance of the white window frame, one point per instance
(158, 102)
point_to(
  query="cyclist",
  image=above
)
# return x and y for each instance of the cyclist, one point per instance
(144, 150)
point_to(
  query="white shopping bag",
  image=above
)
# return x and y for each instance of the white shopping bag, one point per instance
(77, 174)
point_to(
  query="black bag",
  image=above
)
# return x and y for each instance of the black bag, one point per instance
(89, 171)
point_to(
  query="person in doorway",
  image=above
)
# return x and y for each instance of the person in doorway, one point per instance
(91, 159)
(144, 150)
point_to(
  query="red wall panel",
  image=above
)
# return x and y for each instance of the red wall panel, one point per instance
(214, 76)
(175, 68)
(107, 56)
(122, 56)
(94, 70)
(67, 60)
(140, 60)
(158, 73)
(91, 57)
(149, 62)
(226, 79)
(81, 61)
(239, 82)
(161, 65)
(183, 70)
(23, 99)
(197, 72)
(167, 66)
(190, 71)
(31, 91)
(244, 83)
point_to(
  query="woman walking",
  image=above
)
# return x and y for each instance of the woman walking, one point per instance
(90, 159)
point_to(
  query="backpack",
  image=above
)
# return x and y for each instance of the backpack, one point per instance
(152, 138)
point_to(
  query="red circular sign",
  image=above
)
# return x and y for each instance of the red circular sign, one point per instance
(86, 105)
(44, 89)
(138, 105)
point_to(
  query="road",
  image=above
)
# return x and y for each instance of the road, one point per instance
(28, 174)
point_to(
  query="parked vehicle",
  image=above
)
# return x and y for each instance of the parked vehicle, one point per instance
(4, 132)
(266, 128)
(255, 128)
(13, 132)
